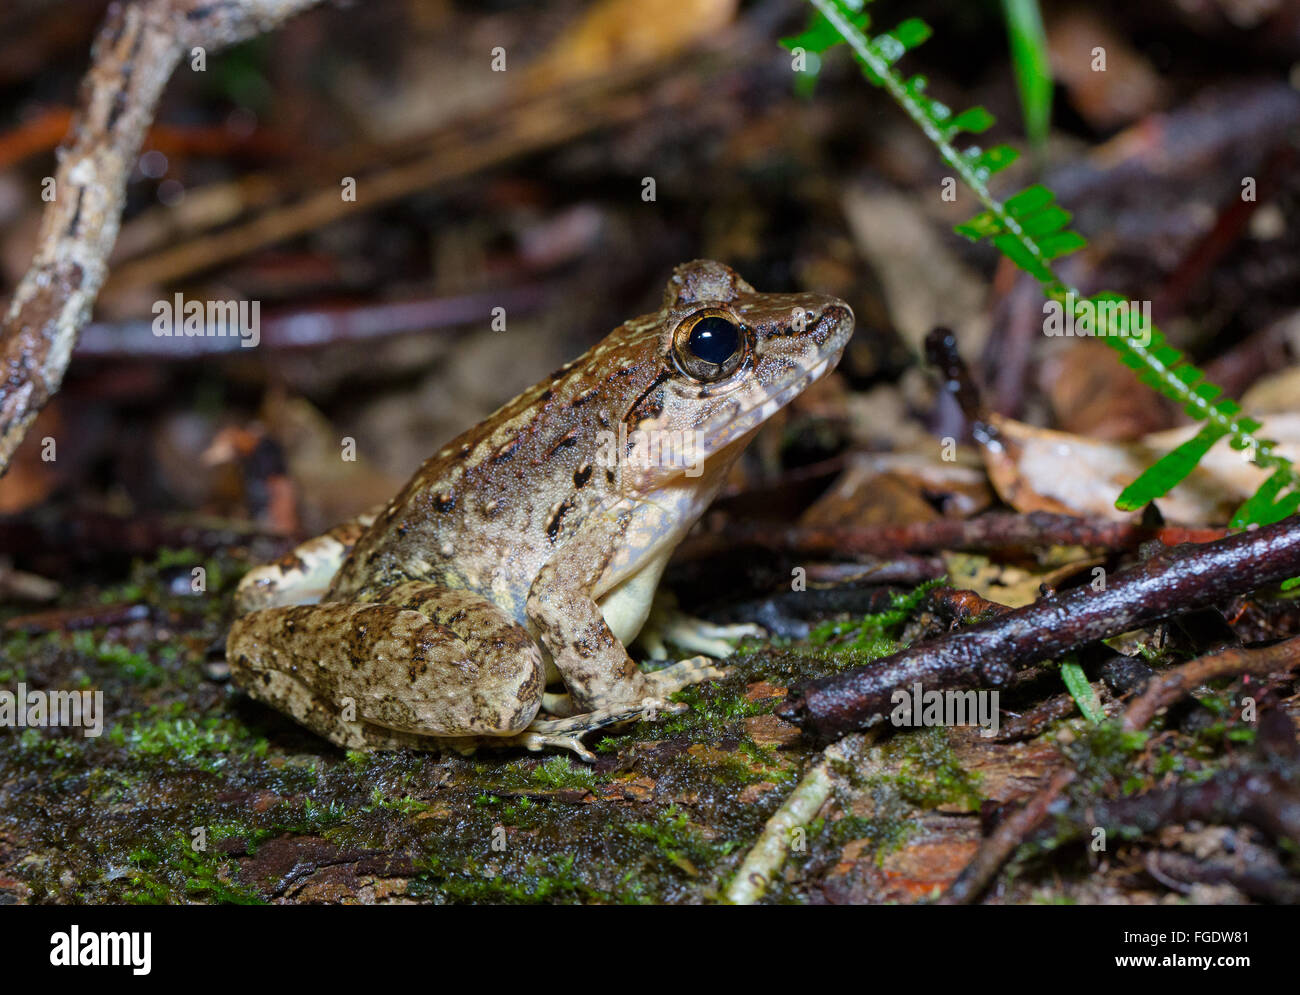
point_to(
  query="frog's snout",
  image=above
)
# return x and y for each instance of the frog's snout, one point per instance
(833, 327)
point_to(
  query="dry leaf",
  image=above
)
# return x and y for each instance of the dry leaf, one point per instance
(616, 34)
(1037, 469)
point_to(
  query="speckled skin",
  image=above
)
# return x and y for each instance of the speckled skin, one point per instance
(521, 552)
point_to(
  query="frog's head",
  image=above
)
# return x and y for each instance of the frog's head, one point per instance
(731, 357)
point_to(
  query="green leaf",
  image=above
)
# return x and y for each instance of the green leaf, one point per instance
(974, 121)
(912, 32)
(1060, 244)
(820, 35)
(893, 45)
(1029, 201)
(1048, 221)
(1015, 250)
(984, 163)
(983, 225)
(1076, 682)
(1169, 470)
(1264, 507)
(1207, 391)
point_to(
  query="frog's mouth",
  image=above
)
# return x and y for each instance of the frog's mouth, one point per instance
(743, 414)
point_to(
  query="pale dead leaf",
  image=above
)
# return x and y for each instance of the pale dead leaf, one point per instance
(1036, 469)
(924, 281)
(1007, 584)
(616, 34)
(897, 489)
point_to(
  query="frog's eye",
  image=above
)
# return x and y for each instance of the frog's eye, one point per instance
(708, 346)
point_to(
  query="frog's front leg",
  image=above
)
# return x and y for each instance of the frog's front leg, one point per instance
(597, 670)
(415, 665)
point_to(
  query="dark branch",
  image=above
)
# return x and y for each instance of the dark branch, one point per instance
(989, 653)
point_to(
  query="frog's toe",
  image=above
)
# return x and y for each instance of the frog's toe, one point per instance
(669, 624)
(566, 733)
(539, 741)
(673, 678)
(653, 644)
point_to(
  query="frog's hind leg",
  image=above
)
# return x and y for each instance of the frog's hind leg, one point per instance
(417, 665)
(567, 733)
(303, 575)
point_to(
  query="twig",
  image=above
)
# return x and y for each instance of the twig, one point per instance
(133, 57)
(1175, 684)
(76, 619)
(520, 127)
(1036, 719)
(994, 531)
(1264, 792)
(312, 327)
(998, 848)
(989, 653)
(88, 535)
(900, 569)
(1255, 794)
(955, 605)
(1269, 883)
(768, 854)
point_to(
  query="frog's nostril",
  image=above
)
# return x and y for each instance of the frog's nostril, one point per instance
(837, 320)
(840, 313)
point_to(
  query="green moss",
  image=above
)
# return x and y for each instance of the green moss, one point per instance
(406, 804)
(711, 709)
(538, 879)
(748, 764)
(57, 747)
(129, 663)
(672, 832)
(930, 774)
(1103, 755)
(174, 872)
(888, 829)
(714, 709)
(208, 743)
(913, 771)
(562, 772)
(874, 635)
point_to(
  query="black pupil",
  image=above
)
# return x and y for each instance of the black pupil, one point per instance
(714, 340)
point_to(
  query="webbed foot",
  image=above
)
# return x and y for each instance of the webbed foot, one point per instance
(567, 733)
(669, 624)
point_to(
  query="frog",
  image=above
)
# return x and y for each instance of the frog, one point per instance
(492, 600)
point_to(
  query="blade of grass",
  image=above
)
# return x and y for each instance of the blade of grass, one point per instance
(1076, 682)
(1032, 66)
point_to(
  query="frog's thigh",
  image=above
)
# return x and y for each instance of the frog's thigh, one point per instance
(426, 662)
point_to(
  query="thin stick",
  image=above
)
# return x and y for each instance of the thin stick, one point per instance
(989, 653)
(133, 57)
(996, 530)
(1176, 684)
(768, 854)
(998, 848)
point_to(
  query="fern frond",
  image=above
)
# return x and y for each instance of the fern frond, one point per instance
(1033, 231)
